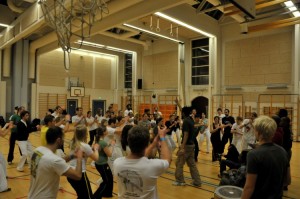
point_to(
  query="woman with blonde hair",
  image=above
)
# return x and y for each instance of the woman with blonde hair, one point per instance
(82, 187)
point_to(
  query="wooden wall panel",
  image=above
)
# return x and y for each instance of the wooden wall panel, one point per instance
(85, 104)
(50, 101)
(43, 104)
(258, 61)
(160, 69)
(103, 71)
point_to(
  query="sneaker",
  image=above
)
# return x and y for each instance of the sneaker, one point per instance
(9, 163)
(196, 185)
(178, 183)
(21, 170)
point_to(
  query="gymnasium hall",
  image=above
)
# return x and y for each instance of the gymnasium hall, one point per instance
(66, 56)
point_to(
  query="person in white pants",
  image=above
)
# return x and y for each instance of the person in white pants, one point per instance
(3, 173)
(23, 130)
(237, 132)
(204, 132)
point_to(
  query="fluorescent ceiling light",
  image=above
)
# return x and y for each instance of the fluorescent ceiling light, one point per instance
(289, 3)
(95, 45)
(293, 8)
(4, 25)
(86, 43)
(90, 53)
(296, 14)
(183, 24)
(152, 33)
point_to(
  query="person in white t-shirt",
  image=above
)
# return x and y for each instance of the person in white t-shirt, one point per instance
(47, 167)
(220, 114)
(136, 174)
(248, 132)
(79, 118)
(57, 112)
(237, 132)
(93, 125)
(128, 109)
(204, 132)
(82, 187)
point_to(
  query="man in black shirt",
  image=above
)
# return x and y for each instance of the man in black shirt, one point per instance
(266, 165)
(227, 121)
(186, 151)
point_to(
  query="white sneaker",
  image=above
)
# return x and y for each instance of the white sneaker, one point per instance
(99, 181)
(21, 170)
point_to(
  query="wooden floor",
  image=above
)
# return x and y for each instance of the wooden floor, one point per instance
(19, 181)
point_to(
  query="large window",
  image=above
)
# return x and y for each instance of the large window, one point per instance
(128, 71)
(200, 62)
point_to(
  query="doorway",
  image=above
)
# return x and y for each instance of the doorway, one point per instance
(201, 105)
(98, 104)
(71, 106)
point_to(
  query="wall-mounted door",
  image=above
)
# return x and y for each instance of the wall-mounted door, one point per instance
(98, 104)
(71, 106)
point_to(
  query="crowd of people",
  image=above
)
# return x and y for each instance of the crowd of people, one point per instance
(137, 150)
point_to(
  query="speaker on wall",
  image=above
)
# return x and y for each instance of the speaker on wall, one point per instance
(140, 84)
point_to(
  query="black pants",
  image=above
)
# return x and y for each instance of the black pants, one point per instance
(229, 163)
(106, 187)
(82, 187)
(12, 142)
(92, 136)
(196, 149)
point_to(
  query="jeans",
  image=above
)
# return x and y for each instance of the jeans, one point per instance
(229, 163)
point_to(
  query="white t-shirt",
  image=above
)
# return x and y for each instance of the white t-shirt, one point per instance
(94, 125)
(76, 119)
(110, 134)
(126, 112)
(87, 150)
(239, 130)
(46, 169)
(137, 178)
(55, 115)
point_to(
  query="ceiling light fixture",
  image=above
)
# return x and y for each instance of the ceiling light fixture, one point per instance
(95, 45)
(153, 33)
(291, 6)
(183, 24)
(296, 14)
(4, 25)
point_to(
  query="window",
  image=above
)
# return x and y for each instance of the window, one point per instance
(128, 71)
(200, 62)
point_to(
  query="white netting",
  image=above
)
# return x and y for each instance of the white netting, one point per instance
(72, 18)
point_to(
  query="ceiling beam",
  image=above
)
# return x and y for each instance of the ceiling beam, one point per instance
(257, 7)
(275, 24)
(233, 8)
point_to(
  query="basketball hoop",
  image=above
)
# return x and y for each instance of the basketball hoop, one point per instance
(69, 18)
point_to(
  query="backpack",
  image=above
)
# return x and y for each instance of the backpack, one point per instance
(234, 177)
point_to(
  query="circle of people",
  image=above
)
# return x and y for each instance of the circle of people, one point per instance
(121, 145)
